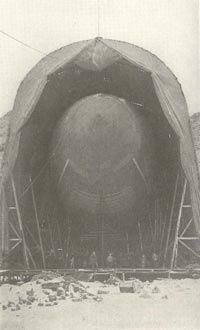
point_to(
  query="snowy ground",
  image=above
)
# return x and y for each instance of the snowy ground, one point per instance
(162, 304)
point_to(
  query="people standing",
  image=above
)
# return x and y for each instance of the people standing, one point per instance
(110, 261)
(93, 260)
(143, 261)
(72, 262)
(155, 260)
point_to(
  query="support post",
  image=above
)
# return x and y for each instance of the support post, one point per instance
(31, 235)
(31, 257)
(68, 238)
(51, 236)
(140, 236)
(127, 243)
(174, 251)
(102, 242)
(38, 224)
(140, 171)
(170, 219)
(3, 223)
(20, 221)
(60, 239)
(63, 171)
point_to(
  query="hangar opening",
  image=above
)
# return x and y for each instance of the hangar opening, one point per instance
(100, 158)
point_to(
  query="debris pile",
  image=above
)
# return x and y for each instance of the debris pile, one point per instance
(133, 286)
(47, 289)
(51, 289)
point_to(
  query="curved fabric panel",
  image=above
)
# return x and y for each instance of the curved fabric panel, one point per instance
(167, 88)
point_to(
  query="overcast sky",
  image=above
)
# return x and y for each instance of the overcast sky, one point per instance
(167, 28)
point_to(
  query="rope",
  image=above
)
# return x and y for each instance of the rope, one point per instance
(98, 18)
(43, 167)
(22, 43)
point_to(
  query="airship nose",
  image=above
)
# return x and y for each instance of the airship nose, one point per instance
(100, 136)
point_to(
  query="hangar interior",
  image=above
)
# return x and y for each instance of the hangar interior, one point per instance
(98, 168)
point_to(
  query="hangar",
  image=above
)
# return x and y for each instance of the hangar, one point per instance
(99, 157)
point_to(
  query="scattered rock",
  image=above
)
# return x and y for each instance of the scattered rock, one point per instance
(102, 292)
(52, 297)
(20, 300)
(137, 285)
(28, 302)
(40, 304)
(45, 276)
(164, 297)
(46, 292)
(30, 292)
(98, 298)
(155, 290)
(31, 299)
(60, 291)
(145, 295)
(76, 299)
(51, 286)
(113, 280)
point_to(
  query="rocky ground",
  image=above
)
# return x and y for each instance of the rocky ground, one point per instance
(54, 302)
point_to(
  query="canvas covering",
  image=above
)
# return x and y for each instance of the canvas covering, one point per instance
(97, 54)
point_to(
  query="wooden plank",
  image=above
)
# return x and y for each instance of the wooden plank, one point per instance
(140, 236)
(187, 226)
(188, 238)
(38, 225)
(31, 235)
(170, 219)
(190, 249)
(63, 171)
(3, 223)
(20, 221)
(174, 251)
(140, 171)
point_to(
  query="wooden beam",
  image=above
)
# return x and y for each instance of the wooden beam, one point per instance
(174, 251)
(140, 171)
(170, 219)
(60, 239)
(190, 249)
(16, 244)
(51, 236)
(20, 222)
(68, 235)
(63, 171)
(3, 223)
(187, 226)
(38, 225)
(31, 235)
(31, 257)
(140, 236)
(127, 243)
(14, 230)
(189, 238)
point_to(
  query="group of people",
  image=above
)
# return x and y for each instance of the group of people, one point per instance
(123, 260)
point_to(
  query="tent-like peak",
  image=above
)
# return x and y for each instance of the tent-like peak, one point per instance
(97, 56)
